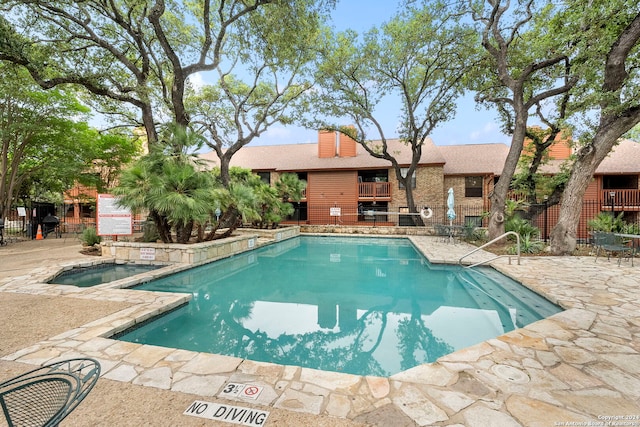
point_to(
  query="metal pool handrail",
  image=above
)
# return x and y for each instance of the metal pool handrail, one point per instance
(489, 243)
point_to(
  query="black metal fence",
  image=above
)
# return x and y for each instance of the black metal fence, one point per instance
(350, 215)
(22, 222)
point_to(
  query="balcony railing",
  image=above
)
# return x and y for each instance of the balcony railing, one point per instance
(620, 199)
(374, 190)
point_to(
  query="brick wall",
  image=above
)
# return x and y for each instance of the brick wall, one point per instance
(428, 191)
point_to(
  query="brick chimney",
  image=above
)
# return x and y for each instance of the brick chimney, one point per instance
(326, 144)
(561, 147)
(347, 145)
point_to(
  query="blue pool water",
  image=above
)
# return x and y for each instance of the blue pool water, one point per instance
(98, 274)
(364, 306)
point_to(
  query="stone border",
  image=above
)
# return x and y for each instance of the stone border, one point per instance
(581, 365)
(361, 229)
(193, 254)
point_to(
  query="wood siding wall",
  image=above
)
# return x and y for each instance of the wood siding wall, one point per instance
(325, 189)
(593, 189)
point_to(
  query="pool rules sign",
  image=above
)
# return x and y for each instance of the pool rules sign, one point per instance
(112, 219)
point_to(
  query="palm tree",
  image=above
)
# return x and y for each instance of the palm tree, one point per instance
(171, 184)
(290, 187)
(236, 204)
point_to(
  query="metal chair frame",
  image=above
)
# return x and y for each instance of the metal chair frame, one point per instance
(610, 243)
(46, 395)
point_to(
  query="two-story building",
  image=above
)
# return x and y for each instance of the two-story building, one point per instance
(343, 178)
(346, 185)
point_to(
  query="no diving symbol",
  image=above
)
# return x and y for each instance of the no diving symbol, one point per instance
(247, 391)
(251, 391)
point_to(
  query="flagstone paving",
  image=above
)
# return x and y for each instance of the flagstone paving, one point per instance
(578, 367)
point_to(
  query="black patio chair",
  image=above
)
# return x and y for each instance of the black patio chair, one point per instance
(610, 243)
(46, 395)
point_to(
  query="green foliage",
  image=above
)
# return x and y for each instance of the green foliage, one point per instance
(529, 234)
(605, 221)
(528, 245)
(521, 226)
(633, 134)
(45, 144)
(471, 233)
(414, 59)
(290, 187)
(169, 183)
(90, 237)
(267, 206)
(630, 228)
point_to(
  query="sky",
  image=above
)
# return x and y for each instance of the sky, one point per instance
(470, 125)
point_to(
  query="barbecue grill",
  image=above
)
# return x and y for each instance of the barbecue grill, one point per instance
(51, 224)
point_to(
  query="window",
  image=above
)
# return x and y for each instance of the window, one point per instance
(403, 172)
(265, 177)
(473, 186)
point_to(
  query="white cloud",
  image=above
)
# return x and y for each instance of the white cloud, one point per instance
(196, 81)
(487, 129)
(278, 132)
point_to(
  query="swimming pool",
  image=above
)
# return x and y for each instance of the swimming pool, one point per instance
(367, 306)
(84, 277)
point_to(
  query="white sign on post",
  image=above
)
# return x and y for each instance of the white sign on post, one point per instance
(112, 219)
(334, 211)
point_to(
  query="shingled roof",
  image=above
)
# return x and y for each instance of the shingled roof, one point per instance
(624, 158)
(474, 158)
(304, 157)
(456, 159)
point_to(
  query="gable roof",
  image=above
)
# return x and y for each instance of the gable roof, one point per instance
(478, 159)
(467, 159)
(624, 158)
(304, 157)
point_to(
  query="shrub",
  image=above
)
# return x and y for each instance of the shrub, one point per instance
(528, 245)
(522, 227)
(605, 221)
(471, 233)
(90, 237)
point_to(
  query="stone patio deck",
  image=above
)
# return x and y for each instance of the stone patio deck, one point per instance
(581, 366)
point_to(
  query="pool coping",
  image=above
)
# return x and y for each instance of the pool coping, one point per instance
(428, 394)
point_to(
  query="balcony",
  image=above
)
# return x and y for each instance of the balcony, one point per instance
(621, 200)
(369, 191)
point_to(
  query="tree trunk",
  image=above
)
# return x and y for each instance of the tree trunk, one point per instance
(563, 235)
(225, 178)
(161, 225)
(614, 122)
(149, 125)
(501, 190)
(183, 232)
(417, 220)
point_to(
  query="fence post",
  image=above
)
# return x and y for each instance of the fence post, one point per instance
(546, 218)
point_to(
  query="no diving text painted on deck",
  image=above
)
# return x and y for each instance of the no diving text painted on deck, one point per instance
(228, 413)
